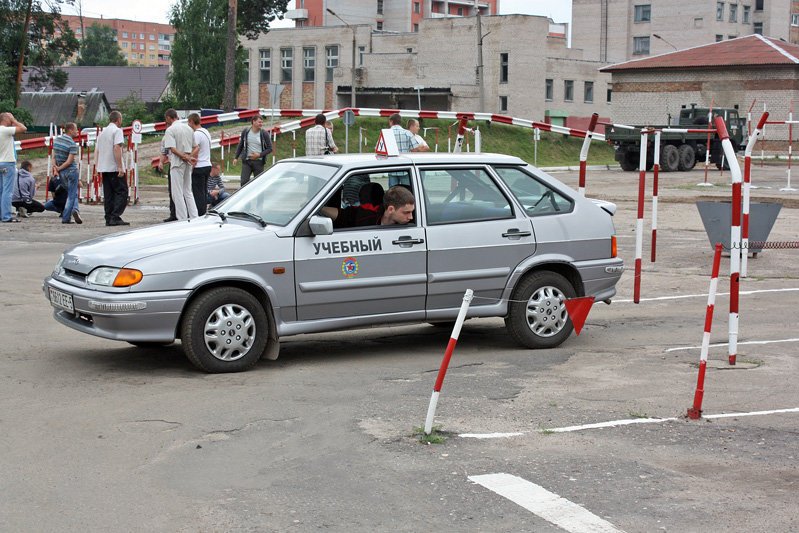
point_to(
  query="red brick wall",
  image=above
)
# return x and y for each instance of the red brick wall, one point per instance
(308, 99)
(286, 97)
(243, 97)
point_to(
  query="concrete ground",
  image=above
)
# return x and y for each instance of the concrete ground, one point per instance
(101, 436)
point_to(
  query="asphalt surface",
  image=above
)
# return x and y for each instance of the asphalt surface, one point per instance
(97, 435)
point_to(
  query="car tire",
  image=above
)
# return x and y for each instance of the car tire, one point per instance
(537, 316)
(148, 344)
(669, 158)
(687, 157)
(224, 330)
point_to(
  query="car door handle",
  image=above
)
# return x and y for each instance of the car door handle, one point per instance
(406, 241)
(516, 233)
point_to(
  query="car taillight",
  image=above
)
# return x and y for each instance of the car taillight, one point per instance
(613, 247)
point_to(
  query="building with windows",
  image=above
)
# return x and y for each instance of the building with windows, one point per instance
(385, 15)
(527, 69)
(145, 44)
(611, 31)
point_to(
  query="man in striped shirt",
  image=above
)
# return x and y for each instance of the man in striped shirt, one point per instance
(65, 154)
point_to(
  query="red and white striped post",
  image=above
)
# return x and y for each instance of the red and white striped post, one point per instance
(463, 122)
(589, 134)
(707, 145)
(656, 170)
(735, 235)
(639, 226)
(747, 192)
(456, 331)
(790, 122)
(695, 412)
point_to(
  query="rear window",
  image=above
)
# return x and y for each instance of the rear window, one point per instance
(536, 197)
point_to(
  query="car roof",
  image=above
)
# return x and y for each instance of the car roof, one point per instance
(414, 158)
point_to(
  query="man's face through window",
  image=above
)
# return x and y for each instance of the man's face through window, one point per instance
(401, 216)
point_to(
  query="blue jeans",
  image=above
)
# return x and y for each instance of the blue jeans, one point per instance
(8, 174)
(70, 177)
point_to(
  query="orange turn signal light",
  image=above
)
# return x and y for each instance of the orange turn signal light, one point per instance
(127, 277)
(614, 249)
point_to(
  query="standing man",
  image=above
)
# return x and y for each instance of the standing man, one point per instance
(406, 142)
(108, 157)
(319, 139)
(9, 126)
(65, 152)
(202, 169)
(179, 140)
(413, 127)
(254, 144)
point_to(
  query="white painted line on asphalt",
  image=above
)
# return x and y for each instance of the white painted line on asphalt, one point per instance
(686, 296)
(612, 423)
(753, 413)
(489, 435)
(563, 513)
(721, 344)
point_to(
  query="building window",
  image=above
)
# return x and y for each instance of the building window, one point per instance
(286, 64)
(124, 35)
(152, 57)
(141, 56)
(152, 36)
(503, 68)
(719, 10)
(733, 12)
(417, 8)
(141, 46)
(640, 45)
(588, 92)
(746, 14)
(643, 13)
(699, 22)
(265, 65)
(415, 28)
(141, 36)
(379, 7)
(308, 64)
(758, 5)
(331, 61)
(757, 28)
(124, 45)
(460, 11)
(379, 25)
(152, 47)
(568, 90)
(732, 37)
(549, 91)
(719, 38)
(609, 94)
(503, 104)
(361, 53)
(795, 19)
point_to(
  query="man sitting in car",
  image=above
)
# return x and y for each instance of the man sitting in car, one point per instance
(396, 208)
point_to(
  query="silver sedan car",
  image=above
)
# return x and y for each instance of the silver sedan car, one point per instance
(311, 246)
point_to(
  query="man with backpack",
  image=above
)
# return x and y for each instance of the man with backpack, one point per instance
(254, 145)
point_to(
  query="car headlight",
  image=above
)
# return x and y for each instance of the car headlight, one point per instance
(114, 277)
(58, 269)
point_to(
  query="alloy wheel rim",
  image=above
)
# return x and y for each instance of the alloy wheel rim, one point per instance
(546, 311)
(229, 332)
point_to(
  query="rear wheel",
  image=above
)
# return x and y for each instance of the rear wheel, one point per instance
(629, 161)
(669, 158)
(537, 317)
(224, 330)
(687, 157)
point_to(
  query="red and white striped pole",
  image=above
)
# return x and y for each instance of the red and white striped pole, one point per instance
(456, 331)
(639, 226)
(461, 134)
(707, 145)
(584, 152)
(747, 192)
(655, 169)
(695, 412)
(788, 187)
(735, 235)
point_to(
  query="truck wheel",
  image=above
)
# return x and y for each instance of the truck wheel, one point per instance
(669, 158)
(537, 316)
(224, 330)
(629, 162)
(687, 157)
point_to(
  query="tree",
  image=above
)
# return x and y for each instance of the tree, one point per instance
(34, 36)
(132, 108)
(99, 48)
(198, 56)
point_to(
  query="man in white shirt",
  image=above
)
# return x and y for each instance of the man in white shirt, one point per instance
(9, 126)
(179, 140)
(108, 158)
(202, 169)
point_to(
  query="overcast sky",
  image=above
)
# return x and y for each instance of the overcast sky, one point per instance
(158, 10)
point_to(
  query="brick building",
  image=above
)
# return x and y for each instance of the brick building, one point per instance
(528, 70)
(728, 74)
(145, 44)
(612, 31)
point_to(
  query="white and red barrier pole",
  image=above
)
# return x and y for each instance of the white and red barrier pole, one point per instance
(746, 195)
(584, 152)
(735, 235)
(639, 226)
(788, 187)
(463, 122)
(707, 145)
(655, 170)
(453, 340)
(695, 412)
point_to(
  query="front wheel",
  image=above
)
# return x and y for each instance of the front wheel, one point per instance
(224, 330)
(537, 317)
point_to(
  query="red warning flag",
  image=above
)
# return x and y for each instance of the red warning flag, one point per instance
(578, 309)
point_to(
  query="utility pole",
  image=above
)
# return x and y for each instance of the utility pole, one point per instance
(230, 56)
(352, 71)
(480, 85)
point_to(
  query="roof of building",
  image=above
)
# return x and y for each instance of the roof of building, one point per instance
(62, 107)
(750, 51)
(148, 83)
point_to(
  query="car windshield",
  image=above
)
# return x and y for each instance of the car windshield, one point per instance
(277, 195)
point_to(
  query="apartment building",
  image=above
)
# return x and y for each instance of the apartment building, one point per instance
(144, 44)
(612, 31)
(528, 70)
(385, 15)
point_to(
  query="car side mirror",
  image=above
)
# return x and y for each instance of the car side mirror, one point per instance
(321, 225)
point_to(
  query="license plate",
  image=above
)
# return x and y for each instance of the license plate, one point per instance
(61, 299)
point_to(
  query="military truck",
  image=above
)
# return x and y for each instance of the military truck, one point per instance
(679, 151)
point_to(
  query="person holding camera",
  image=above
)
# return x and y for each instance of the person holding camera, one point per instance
(319, 139)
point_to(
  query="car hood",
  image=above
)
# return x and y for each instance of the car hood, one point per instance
(121, 249)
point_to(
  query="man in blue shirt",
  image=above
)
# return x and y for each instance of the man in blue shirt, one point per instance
(65, 154)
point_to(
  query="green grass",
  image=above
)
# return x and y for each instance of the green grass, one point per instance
(436, 436)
